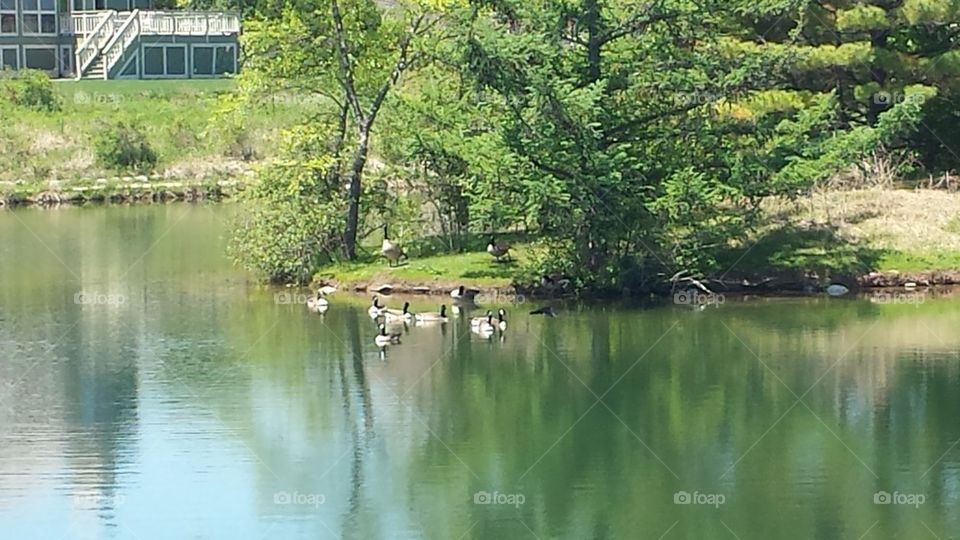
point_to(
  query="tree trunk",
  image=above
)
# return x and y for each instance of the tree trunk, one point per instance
(594, 44)
(353, 202)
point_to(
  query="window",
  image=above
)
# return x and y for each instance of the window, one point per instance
(43, 58)
(9, 57)
(66, 60)
(165, 61)
(8, 17)
(39, 16)
(210, 60)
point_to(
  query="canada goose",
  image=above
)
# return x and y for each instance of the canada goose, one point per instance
(502, 319)
(399, 314)
(464, 294)
(391, 250)
(548, 311)
(486, 327)
(433, 317)
(498, 250)
(383, 338)
(327, 290)
(376, 309)
(318, 304)
(477, 321)
(554, 282)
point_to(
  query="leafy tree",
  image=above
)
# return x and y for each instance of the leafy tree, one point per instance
(292, 214)
(349, 53)
(651, 127)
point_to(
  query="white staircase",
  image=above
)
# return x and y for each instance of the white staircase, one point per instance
(113, 33)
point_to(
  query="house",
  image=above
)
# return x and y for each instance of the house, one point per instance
(116, 39)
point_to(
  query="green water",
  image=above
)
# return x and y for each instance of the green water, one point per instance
(151, 391)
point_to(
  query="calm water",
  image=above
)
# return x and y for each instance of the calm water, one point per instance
(149, 391)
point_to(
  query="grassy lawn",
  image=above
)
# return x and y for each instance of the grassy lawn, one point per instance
(185, 122)
(855, 232)
(474, 268)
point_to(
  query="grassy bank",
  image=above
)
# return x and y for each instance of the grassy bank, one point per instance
(877, 237)
(184, 122)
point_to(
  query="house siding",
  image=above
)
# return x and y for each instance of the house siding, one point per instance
(193, 56)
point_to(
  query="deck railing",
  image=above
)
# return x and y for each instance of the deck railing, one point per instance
(126, 34)
(188, 23)
(81, 23)
(88, 50)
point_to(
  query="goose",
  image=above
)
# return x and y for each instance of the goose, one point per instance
(318, 304)
(547, 311)
(391, 250)
(327, 290)
(464, 294)
(433, 317)
(486, 327)
(383, 338)
(554, 282)
(375, 309)
(398, 314)
(477, 321)
(498, 250)
(502, 319)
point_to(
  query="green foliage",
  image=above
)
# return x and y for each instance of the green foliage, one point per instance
(29, 89)
(293, 214)
(634, 139)
(124, 147)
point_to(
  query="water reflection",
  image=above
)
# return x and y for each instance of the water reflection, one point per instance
(200, 407)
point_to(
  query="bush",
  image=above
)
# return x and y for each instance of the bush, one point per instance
(29, 89)
(124, 147)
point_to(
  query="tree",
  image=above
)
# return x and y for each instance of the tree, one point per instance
(649, 125)
(349, 53)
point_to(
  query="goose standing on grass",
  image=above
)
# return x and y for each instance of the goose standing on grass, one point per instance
(463, 294)
(398, 314)
(391, 250)
(498, 250)
(318, 304)
(383, 338)
(440, 317)
(376, 310)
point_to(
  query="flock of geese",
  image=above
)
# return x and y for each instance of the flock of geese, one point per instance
(385, 317)
(485, 326)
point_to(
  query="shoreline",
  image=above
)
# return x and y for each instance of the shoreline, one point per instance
(864, 283)
(118, 190)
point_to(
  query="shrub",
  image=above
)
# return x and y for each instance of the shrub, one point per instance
(30, 89)
(124, 147)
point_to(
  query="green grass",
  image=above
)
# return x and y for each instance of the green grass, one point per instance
(919, 262)
(474, 268)
(183, 122)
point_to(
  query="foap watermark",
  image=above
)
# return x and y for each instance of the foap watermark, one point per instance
(500, 298)
(496, 498)
(696, 498)
(90, 298)
(895, 98)
(287, 298)
(897, 298)
(902, 499)
(87, 98)
(295, 498)
(98, 500)
(693, 297)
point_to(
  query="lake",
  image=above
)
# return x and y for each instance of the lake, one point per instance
(151, 391)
